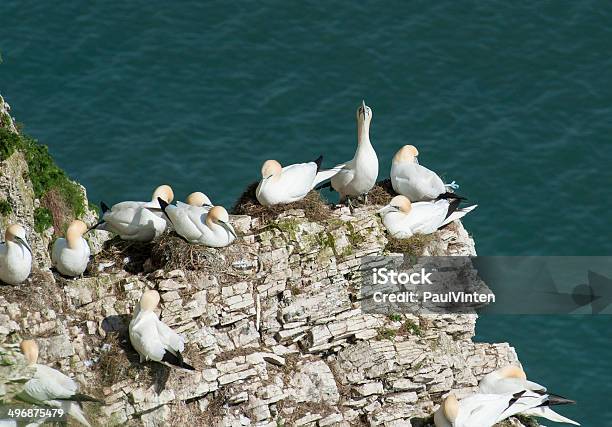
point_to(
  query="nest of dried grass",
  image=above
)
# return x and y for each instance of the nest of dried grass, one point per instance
(127, 255)
(414, 245)
(382, 193)
(172, 252)
(314, 206)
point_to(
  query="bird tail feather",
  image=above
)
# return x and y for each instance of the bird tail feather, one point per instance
(176, 361)
(549, 414)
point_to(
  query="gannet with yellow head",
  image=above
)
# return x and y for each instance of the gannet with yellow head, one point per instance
(358, 176)
(413, 180)
(512, 379)
(153, 339)
(15, 256)
(281, 185)
(403, 219)
(49, 387)
(70, 255)
(486, 410)
(139, 221)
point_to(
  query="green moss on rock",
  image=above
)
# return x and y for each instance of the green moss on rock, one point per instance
(61, 198)
(5, 207)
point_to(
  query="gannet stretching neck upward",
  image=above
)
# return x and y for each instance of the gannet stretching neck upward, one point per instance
(512, 379)
(281, 185)
(359, 175)
(139, 221)
(49, 387)
(71, 255)
(413, 180)
(404, 219)
(485, 410)
(210, 228)
(153, 339)
(15, 256)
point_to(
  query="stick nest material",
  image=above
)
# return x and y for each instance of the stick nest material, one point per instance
(314, 206)
(382, 193)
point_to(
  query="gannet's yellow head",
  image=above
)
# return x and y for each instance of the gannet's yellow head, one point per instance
(164, 192)
(16, 233)
(512, 371)
(401, 203)
(450, 408)
(408, 153)
(364, 115)
(218, 215)
(75, 231)
(29, 348)
(149, 300)
(198, 199)
(270, 168)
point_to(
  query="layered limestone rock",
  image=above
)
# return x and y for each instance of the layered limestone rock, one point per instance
(273, 325)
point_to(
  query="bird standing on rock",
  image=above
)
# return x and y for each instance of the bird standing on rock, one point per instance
(49, 387)
(210, 228)
(15, 256)
(152, 338)
(70, 256)
(413, 180)
(358, 176)
(282, 185)
(403, 219)
(139, 221)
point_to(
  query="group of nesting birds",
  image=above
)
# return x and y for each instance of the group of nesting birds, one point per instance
(423, 204)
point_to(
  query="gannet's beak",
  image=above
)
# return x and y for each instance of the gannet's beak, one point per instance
(363, 108)
(24, 243)
(208, 205)
(228, 228)
(416, 160)
(385, 209)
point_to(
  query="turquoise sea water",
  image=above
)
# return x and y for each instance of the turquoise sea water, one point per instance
(513, 101)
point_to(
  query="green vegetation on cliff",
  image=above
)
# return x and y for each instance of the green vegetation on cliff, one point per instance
(61, 199)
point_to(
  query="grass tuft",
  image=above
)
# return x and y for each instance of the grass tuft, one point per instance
(5, 207)
(382, 193)
(315, 208)
(414, 245)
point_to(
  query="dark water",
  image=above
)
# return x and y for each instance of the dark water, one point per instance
(514, 102)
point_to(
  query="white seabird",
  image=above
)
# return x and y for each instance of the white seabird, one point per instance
(413, 180)
(210, 228)
(281, 185)
(15, 256)
(71, 255)
(49, 387)
(403, 219)
(153, 339)
(486, 410)
(139, 221)
(196, 200)
(512, 379)
(358, 176)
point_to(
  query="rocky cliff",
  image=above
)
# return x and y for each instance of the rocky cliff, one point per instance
(273, 323)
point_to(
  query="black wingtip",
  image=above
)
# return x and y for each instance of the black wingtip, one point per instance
(319, 161)
(555, 399)
(176, 360)
(104, 207)
(452, 207)
(449, 195)
(79, 397)
(163, 204)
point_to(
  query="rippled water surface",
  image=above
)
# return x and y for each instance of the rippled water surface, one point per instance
(514, 102)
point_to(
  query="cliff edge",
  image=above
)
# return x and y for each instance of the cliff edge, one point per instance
(273, 323)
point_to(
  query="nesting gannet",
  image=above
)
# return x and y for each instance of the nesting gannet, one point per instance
(512, 379)
(71, 255)
(414, 181)
(153, 339)
(140, 221)
(485, 410)
(211, 229)
(196, 200)
(281, 185)
(358, 176)
(404, 219)
(49, 387)
(15, 256)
